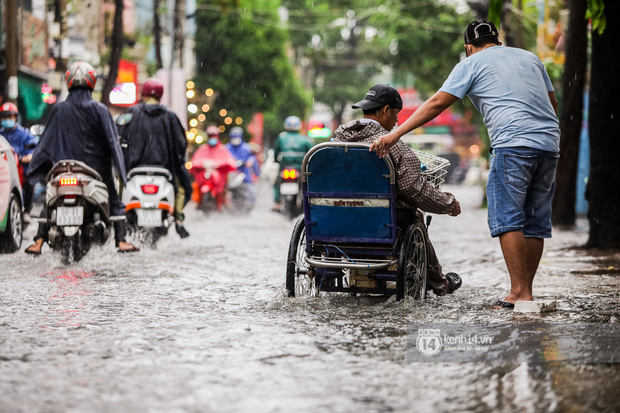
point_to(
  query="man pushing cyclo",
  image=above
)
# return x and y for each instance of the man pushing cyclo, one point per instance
(511, 89)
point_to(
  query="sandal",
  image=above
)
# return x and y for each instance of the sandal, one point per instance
(503, 304)
(33, 253)
(128, 250)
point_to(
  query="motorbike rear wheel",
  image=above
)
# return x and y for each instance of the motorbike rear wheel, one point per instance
(291, 211)
(72, 250)
(208, 203)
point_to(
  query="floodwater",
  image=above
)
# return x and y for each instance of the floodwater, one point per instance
(203, 325)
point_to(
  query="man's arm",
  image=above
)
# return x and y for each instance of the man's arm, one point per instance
(428, 111)
(554, 101)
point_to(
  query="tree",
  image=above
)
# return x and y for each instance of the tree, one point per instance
(242, 57)
(115, 54)
(332, 46)
(157, 34)
(602, 190)
(179, 31)
(425, 42)
(573, 82)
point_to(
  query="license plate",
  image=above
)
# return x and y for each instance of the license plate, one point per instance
(69, 216)
(289, 188)
(149, 217)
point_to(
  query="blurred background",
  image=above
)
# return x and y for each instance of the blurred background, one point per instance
(252, 63)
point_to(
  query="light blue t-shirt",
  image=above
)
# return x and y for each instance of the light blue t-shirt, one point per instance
(509, 87)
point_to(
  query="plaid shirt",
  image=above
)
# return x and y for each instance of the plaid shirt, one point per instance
(412, 189)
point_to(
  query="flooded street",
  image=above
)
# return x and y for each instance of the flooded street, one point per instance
(203, 325)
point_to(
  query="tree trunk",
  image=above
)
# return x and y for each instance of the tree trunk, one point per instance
(179, 35)
(602, 191)
(157, 34)
(508, 25)
(115, 54)
(573, 81)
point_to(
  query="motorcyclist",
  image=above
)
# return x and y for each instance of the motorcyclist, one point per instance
(289, 151)
(243, 153)
(23, 143)
(217, 160)
(151, 134)
(246, 160)
(82, 129)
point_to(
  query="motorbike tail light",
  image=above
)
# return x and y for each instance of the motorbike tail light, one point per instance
(68, 181)
(289, 174)
(150, 189)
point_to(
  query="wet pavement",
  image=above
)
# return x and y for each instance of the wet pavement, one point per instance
(202, 325)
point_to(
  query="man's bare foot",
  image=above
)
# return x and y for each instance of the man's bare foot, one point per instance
(513, 298)
(35, 249)
(127, 247)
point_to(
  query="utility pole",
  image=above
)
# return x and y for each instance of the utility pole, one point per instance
(12, 49)
(60, 11)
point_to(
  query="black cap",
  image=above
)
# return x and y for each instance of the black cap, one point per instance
(379, 96)
(480, 28)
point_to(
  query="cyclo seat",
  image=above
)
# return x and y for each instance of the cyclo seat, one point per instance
(349, 239)
(349, 195)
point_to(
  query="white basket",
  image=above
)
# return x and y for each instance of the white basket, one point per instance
(436, 167)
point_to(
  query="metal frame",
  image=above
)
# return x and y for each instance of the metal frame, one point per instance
(325, 261)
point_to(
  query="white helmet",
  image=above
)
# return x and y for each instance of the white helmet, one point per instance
(292, 123)
(236, 131)
(81, 74)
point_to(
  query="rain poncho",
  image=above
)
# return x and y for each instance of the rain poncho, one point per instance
(244, 154)
(82, 129)
(218, 161)
(154, 136)
(290, 149)
(20, 138)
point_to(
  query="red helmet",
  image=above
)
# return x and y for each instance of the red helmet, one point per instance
(213, 130)
(81, 74)
(153, 87)
(8, 108)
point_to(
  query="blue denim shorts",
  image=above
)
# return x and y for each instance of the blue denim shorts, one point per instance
(520, 190)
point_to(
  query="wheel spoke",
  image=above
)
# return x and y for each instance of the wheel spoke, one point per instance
(415, 265)
(304, 283)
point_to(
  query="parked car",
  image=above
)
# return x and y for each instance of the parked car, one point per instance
(11, 206)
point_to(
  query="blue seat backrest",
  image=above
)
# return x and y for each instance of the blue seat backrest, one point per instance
(348, 195)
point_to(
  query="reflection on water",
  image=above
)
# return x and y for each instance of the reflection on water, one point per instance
(202, 325)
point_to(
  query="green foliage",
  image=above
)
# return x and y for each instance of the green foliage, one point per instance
(244, 60)
(425, 40)
(596, 12)
(495, 11)
(329, 39)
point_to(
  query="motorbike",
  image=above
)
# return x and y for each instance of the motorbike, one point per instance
(240, 191)
(290, 191)
(77, 209)
(209, 179)
(149, 203)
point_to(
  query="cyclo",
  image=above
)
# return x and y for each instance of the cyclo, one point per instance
(348, 239)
